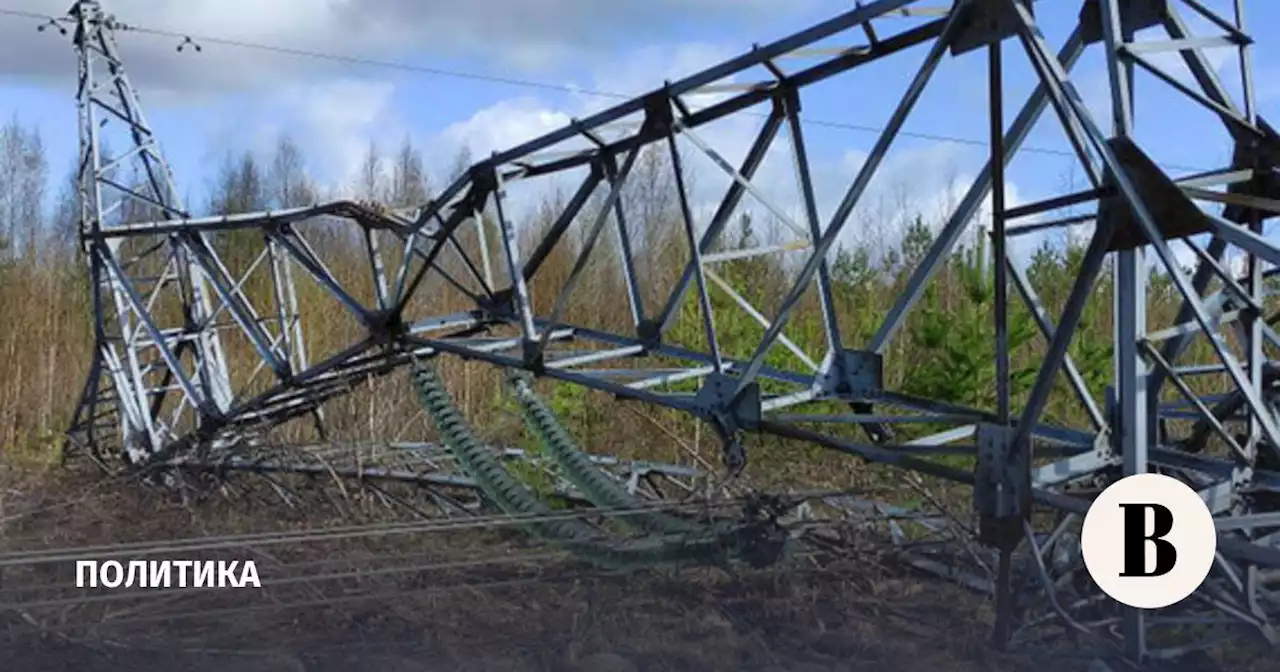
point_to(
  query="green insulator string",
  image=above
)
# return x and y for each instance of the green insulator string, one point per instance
(589, 543)
(598, 487)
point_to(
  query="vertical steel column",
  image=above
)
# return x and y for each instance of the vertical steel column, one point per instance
(860, 183)
(995, 102)
(1131, 274)
(1022, 125)
(1255, 320)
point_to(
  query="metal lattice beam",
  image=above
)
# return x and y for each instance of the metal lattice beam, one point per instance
(166, 372)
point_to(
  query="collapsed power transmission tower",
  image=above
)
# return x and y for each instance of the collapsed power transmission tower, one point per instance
(169, 306)
(189, 369)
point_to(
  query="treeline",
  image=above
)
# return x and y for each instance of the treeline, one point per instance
(24, 181)
(945, 351)
(247, 183)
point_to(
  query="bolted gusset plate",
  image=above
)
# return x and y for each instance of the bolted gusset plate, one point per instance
(986, 22)
(1262, 156)
(1135, 15)
(1174, 213)
(434, 293)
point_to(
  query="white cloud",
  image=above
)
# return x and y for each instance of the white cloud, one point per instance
(537, 34)
(519, 33)
(503, 125)
(332, 121)
(337, 116)
(513, 121)
(1267, 82)
(343, 116)
(925, 179)
(645, 69)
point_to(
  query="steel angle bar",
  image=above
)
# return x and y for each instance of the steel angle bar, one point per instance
(754, 58)
(236, 302)
(520, 289)
(1144, 220)
(516, 362)
(695, 254)
(1047, 329)
(728, 205)
(249, 220)
(120, 282)
(503, 329)
(635, 296)
(299, 251)
(557, 230)
(947, 239)
(406, 287)
(1131, 310)
(841, 215)
(1211, 86)
(804, 180)
(584, 255)
(812, 232)
(1090, 266)
(236, 289)
(759, 317)
(1227, 114)
(751, 253)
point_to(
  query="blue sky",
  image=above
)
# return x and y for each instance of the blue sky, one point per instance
(227, 99)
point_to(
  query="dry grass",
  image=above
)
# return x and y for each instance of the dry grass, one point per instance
(847, 611)
(851, 610)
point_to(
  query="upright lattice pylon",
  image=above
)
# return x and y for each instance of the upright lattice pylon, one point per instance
(159, 369)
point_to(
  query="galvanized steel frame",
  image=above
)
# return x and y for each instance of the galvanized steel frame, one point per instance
(1139, 210)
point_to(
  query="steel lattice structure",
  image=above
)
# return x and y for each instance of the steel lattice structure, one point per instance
(163, 389)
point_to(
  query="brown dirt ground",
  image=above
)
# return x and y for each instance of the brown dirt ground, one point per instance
(828, 612)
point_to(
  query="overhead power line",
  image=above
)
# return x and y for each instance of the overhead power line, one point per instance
(189, 38)
(532, 84)
(27, 15)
